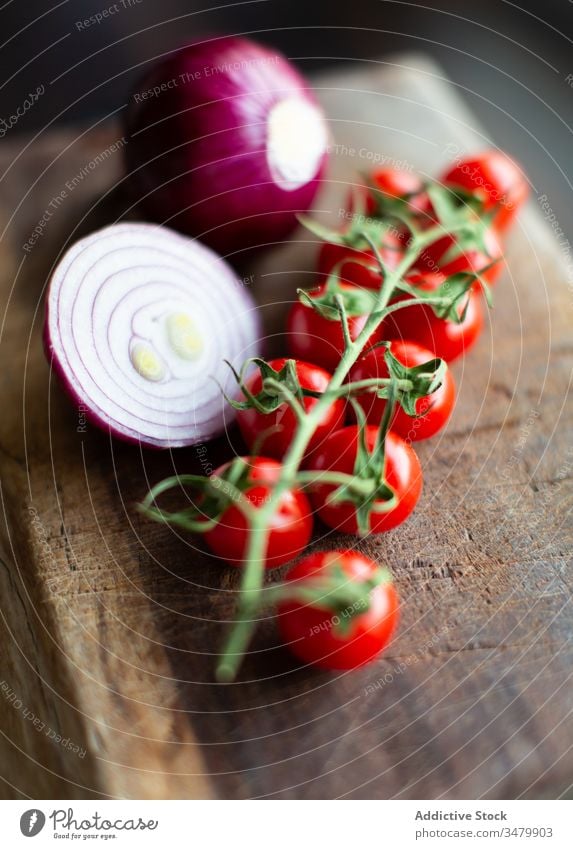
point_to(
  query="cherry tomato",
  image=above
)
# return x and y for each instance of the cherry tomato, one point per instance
(290, 527)
(475, 260)
(496, 180)
(344, 640)
(317, 339)
(279, 426)
(444, 338)
(351, 271)
(433, 411)
(433, 258)
(398, 183)
(394, 183)
(403, 474)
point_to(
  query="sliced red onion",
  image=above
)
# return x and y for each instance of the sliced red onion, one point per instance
(138, 322)
(226, 142)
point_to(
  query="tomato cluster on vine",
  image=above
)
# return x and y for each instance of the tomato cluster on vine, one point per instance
(400, 294)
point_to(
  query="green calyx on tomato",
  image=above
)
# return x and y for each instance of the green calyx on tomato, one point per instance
(354, 636)
(388, 205)
(211, 496)
(444, 206)
(457, 211)
(495, 180)
(224, 506)
(361, 225)
(462, 213)
(336, 298)
(408, 384)
(369, 491)
(278, 386)
(413, 421)
(446, 299)
(332, 590)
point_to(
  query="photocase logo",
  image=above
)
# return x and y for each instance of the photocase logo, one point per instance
(32, 822)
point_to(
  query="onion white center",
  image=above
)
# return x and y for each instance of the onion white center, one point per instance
(297, 139)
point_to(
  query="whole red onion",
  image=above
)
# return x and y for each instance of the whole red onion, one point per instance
(225, 142)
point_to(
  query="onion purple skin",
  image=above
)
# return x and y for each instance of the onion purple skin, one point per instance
(78, 402)
(196, 152)
(90, 416)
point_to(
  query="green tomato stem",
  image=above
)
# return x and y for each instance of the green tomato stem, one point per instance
(334, 478)
(254, 568)
(368, 383)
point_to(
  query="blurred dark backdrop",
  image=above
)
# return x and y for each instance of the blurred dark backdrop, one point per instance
(512, 60)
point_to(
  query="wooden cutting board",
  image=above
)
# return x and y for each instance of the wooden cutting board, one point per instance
(110, 624)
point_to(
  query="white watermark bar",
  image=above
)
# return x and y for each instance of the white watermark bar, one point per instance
(261, 823)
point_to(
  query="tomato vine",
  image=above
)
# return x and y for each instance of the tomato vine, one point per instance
(402, 385)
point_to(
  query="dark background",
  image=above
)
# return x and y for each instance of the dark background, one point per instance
(511, 60)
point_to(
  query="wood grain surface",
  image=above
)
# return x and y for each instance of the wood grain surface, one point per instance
(110, 624)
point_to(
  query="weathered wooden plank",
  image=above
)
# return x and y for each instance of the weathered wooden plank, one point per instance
(114, 622)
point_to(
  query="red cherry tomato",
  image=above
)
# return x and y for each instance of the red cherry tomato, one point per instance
(279, 427)
(290, 527)
(433, 411)
(317, 339)
(496, 180)
(433, 258)
(430, 258)
(397, 183)
(394, 183)
(403, 475)
(353, 270)
(475, 260)
(330, 640)
(444, 338)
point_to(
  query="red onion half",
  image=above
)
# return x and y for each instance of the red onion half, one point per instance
(226, 142)
(138, 322)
